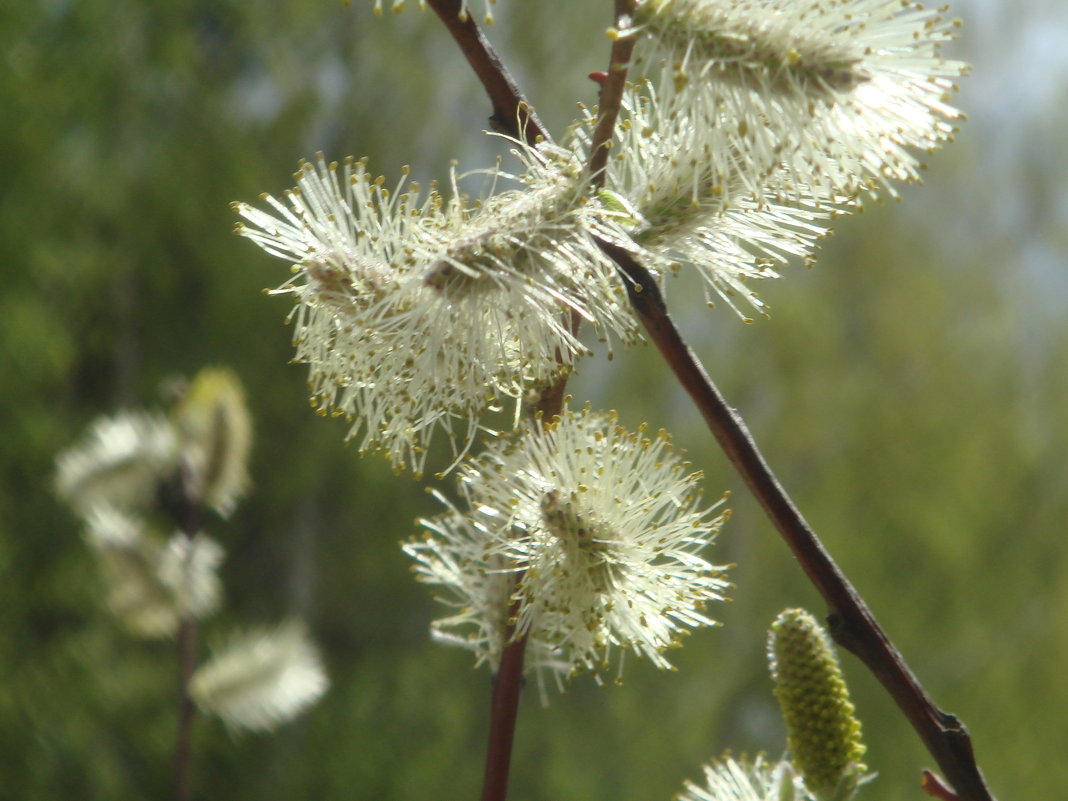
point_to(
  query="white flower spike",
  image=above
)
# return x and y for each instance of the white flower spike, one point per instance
(152, 585)
(743, 780)
(415, 313)
(845, 90)
(120, 463)
(697, 194)
(261, 679)
(592, 532)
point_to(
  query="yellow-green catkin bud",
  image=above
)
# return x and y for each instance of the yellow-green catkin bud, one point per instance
(823, 733)
(215, 436)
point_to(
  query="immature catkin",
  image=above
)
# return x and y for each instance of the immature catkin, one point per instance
(823, 734)
(215, 435)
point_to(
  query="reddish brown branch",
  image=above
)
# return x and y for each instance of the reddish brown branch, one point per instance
(504, 709)
(851, 622)
(611, 97)
(188, 515)
(511, 114)
(183, 750)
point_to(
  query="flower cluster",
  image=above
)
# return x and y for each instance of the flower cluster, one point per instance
(758, 121)
(753, 123)
(415, 313)
(696, 194)
(750, 126)
(838, 90)
(137, 469)
(261, 678)
(744, 780)
(153, 583)
(579, 536)
(118, 464)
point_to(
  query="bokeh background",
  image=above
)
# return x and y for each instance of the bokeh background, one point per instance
(910, 391)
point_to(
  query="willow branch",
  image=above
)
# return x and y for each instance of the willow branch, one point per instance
(504, 710)
(508, 681)
(611, 97)
(183, 749)
(511, 114)
(188, 516)
(851, 622)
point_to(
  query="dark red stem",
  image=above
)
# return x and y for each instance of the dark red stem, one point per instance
(611, 97)
(851, 622)
(183, 750)
(188, 516)
(504, 709)
(510, 115)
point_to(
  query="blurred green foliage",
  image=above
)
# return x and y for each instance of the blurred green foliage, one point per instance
(909, 391)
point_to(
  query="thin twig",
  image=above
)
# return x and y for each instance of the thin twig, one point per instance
(504, 709)
(188, 514)
(852, 624)
(183, 749)
(508, 681)
(611, 97)
(510, 115)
